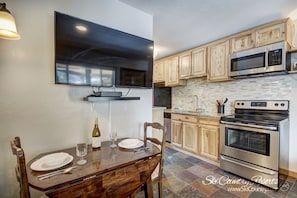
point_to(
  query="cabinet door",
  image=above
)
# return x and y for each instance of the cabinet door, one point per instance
(270, 34)
(185, 65)
(199, 62)
(159, 71)
(172, 72)
(218, 62)
(209, 141)
(243, 42)
(176, 133)
(190, 137)
(173, 75)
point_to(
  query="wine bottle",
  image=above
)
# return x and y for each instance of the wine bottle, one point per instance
(96, 136)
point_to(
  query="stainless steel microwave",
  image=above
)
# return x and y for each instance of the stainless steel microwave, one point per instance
(264, 60)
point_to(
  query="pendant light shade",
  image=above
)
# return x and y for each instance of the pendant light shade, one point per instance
(7, 24)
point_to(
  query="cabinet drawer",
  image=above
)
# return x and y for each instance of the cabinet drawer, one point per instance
(184, 118)
(209, 121)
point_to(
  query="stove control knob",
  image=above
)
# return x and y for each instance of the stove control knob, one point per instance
(238, 103)
(242, 103)
(276, 104)
(282, 104)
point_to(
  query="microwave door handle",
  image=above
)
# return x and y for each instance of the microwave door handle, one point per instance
(266, 60)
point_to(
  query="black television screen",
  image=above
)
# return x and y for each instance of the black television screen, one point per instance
(94, 55)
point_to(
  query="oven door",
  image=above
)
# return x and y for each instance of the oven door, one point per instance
(252, 145)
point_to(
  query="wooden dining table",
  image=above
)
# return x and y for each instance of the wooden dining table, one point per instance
(109, 172)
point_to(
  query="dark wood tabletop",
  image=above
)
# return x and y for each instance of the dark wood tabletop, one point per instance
(108, 166)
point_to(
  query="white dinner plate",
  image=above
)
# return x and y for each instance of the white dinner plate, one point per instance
(51, 161)
(131, 143)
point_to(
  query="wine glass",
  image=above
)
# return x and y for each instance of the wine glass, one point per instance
(113, 138)
(81, 151)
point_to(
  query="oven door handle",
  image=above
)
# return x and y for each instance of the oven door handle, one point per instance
(267, 172)
(272, 128)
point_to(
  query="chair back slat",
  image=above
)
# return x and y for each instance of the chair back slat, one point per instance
(21, 172)
(154, 140)
(159, 142)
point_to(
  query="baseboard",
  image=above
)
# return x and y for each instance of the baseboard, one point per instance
(216, 163)
(288, 172)
(281, 170)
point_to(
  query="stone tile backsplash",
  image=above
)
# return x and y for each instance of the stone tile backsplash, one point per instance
(261, 88)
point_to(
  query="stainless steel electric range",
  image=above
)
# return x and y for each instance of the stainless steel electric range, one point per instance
(254, 142)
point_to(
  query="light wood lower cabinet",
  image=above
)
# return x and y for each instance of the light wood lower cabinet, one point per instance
(190, 137)
(209, 141)
(209, 131)
(199, 135)
(176, 133)
(184, 131)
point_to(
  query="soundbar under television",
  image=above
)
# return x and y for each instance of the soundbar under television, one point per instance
(90, 54)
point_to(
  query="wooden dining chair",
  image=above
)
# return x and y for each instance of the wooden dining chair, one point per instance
(157, 138)
(20, 169)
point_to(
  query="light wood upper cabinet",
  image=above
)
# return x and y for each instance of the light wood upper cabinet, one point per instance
(218, 61)
(185, 65)
(212, 59)
(159, 71)
(172, 72)
(263, 35)
(193, 63)
(243, 42)
(277, 31)
(270, 34)
(199, 62)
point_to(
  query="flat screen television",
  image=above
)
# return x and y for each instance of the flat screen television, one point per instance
(89, 54)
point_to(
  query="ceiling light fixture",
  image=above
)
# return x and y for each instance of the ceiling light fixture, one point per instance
(81, 28)
(7, 24)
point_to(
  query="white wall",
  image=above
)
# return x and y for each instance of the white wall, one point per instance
(48, 116)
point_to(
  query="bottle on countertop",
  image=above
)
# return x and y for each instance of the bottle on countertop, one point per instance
(96, 136)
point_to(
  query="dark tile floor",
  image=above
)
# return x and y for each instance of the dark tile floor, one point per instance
(188, 177)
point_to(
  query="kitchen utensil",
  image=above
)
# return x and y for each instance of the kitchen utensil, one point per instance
(67, 170)
(54, 172)
(219, 102)
(225, 101)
